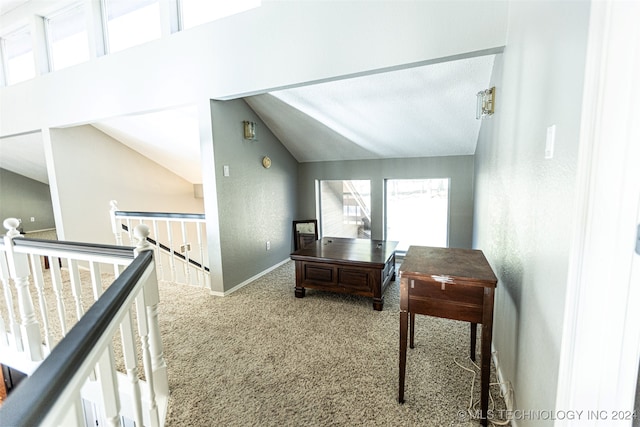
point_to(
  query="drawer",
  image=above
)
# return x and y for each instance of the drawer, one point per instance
(318, 273)
(460, 302)
(452, 292)
(354, 279)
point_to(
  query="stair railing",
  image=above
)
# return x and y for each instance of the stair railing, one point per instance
(80, 370)
(188, 250)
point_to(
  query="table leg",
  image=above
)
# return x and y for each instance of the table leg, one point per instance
(299, 292)
(378, 303)
(474, 332)
(403, 355)
(412, 328)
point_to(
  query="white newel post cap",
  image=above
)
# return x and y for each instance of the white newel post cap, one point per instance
(141, 232)
(12, 224)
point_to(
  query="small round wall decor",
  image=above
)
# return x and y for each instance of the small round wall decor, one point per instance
(266, 162)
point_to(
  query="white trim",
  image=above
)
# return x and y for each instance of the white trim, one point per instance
(601, 337)
(40, 231)
(249, 280)
(506, 388)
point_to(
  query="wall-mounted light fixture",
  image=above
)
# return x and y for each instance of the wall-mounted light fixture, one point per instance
(485, 103)
(249, 130)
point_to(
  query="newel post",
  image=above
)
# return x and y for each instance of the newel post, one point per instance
(152, 298)
(19, 271)
(116, 227)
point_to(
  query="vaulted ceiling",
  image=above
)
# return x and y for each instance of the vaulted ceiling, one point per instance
(415, 112)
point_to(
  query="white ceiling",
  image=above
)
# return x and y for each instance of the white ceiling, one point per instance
(416, 112)
(170, 138)
(24, 155)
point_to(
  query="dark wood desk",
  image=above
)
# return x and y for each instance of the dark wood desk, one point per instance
(451, 283)
(355, 266)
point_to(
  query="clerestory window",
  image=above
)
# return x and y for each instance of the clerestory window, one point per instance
(196, 12)
(67, 37)
(130, 23)
(19, 62)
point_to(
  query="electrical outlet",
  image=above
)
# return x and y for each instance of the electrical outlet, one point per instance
(33, 219)
(268, 245)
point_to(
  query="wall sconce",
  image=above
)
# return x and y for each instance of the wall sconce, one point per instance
(485, 103)
(249, 130)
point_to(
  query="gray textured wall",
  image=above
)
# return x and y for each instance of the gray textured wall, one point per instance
(458, 168)
(255, 205)
(22, 197)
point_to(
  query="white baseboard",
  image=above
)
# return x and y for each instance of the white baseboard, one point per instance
(249, 280)
(504, 388)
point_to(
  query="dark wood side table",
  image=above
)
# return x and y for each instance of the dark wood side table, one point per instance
(355, 266)
(451, 283)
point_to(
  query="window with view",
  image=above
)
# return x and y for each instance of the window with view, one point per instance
(417, 212)
(130, 23)
(345, 208)
(67, 37)
(18, 56)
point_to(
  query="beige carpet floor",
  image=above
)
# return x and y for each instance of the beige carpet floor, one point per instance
(261, 357)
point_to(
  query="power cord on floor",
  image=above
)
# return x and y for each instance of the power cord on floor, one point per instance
(470, 409)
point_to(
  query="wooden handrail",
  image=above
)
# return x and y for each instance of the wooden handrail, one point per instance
(172, 215)
(56, 247)
(169, 250)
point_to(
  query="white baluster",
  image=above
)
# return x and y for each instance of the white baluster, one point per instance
(143, 332)
(76, 287)
(172, 262)
(38, 280)
(185, 243)
(19, 272)
(201, 273)
(74, 413)
(4, 338)
(14, 327)
(109, 386)
(56, 282)
(131, 365)
(116, 224)
(96, 279)
(96, 286)
(150, 315)
(130, 232)
(158, 257)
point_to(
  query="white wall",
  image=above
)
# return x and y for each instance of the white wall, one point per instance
(524, 203)
(91, 168)
(279, 44)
